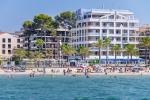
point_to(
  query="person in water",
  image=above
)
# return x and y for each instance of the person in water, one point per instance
(64, 72)
(87, 76)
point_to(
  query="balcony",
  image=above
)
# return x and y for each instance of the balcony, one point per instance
(92, 34)
(104, 34)
(133, 42)
(93, 49)
(133, 34)
(92, 41)
(124, 34)
(124, 41)
(115, 41)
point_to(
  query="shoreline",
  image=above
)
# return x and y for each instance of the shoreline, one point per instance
(76, 74)
(60, 72)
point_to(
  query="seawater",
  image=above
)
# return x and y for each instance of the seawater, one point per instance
(75, 88)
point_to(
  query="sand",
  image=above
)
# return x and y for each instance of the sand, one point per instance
(59, 71)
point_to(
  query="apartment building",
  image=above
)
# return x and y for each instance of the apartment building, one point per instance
(118, 25)
(144, 31)
(51, 42)
(8, 42)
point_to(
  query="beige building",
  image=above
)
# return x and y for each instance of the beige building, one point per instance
(8, 42)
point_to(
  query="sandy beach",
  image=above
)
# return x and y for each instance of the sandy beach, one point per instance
(60, 71)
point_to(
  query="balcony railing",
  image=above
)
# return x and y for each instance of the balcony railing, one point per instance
(92, 34)
(124, 34)
(132, 34)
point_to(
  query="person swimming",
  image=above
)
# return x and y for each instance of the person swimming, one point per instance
(87, 76)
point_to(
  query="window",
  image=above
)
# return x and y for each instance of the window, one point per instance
(104, 24)
(97, 24)
(9, 51)
(111, 31)
(3, 51)
(125, 25)
(131, 24)
(3, 39)
(97, 31)
(118, 31)
(9, 40)
(125, 31)
(18, 40)
(104, 38)
(111, 24)
(18, 46)
(90, 30)
(104, 53)
(111, 17)
(3, 46)
(104, 31)
(118, 17)
(118, 39)
(9, 45)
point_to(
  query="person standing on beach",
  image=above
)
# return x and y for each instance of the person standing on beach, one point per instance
(64, 72)
(85, 72)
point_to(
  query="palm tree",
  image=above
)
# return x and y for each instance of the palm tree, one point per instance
(131, 51)
(37, 56)
(83, 52)
(20, 53)
(48, 53)
(39, 43)
(115, 49)
(99, 45)
(67, 50)
(106, 45)
(146, 43)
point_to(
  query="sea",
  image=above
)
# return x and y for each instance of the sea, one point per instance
(49, 87)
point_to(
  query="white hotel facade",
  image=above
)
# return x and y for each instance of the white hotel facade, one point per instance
(118, 25)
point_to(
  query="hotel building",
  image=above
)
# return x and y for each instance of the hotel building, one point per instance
(144, 31)
(51, 42)
(118, 25)
(9, 42)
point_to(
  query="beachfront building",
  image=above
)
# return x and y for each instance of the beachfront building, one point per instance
(144, 31)
(9, 42)
(118, 25)
(51, 41)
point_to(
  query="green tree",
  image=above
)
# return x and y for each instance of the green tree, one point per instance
(39, 43)
(48, 53)
(99, 45)
(28, 32)
(67, 50)
(146, 44)
(44, 25)
(64, 18)
(20, 53)
(116, 49)
(83, 52)
(38, 56)
(131, 51)
(106, 45)
(31, 54)
(43, 21)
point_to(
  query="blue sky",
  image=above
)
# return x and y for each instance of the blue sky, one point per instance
(14, 12)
